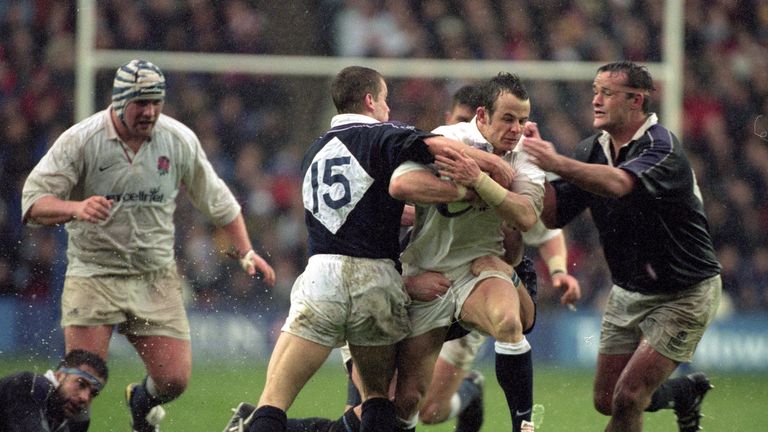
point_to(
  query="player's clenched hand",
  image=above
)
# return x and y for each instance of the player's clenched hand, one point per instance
(490, 263)
(426, 286)
(93, 209)
(570, 287)
(458, 167)
(251, 262)
(531, 130)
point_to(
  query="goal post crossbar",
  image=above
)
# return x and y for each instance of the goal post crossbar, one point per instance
(90, 60)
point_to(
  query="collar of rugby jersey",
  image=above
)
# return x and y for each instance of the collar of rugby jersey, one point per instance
(52, 378)
(605, 138)
(342, 119)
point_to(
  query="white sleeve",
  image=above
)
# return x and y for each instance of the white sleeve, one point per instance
(407, 167)
(539, 234)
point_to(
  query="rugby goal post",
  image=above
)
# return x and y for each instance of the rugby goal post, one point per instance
(89, 60)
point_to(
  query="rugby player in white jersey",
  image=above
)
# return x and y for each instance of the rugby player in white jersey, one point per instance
(113, 179)
(448, 239)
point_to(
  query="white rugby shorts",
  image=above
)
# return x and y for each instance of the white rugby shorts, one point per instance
(341, 298)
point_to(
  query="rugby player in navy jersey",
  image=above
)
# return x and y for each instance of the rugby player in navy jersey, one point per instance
(58, 400)
(636, 180)
(351, 290)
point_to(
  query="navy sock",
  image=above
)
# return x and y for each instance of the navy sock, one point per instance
(468, 391)
(378, 415)
(268, 419)
(347, 423)
(515, 376)
(142, 401)
(664, 397)
(312, 424)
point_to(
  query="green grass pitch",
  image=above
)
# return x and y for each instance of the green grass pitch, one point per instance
(739, 402)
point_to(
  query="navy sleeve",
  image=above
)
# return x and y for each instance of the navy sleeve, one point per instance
(23, 400)
(659, 166)
(402, 143)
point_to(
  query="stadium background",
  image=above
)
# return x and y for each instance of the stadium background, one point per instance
(254, 129)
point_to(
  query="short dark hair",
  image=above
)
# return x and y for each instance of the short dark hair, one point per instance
(504, 82)
(79, 357)
(468, 95)
(350, 86)
(638, 77)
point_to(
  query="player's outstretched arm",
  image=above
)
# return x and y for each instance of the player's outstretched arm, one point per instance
(598, 179)
(250, 261)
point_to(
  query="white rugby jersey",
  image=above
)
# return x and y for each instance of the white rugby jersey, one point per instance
(448, 237)
(89, 159)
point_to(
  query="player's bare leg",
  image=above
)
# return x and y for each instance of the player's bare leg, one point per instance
(375, 367)
(168, 361)
(634, 386)
(94, 339)
(294, 360)
(495, 307)
(417, 355)
(446, 380)
(169, 365)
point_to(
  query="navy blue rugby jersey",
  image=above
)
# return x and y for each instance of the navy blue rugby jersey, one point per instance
(655, 239)
(347, 206)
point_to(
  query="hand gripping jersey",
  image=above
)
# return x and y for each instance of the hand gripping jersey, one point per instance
(348, 209)
(448, 237)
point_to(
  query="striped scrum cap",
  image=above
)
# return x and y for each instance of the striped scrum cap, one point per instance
(135, 80)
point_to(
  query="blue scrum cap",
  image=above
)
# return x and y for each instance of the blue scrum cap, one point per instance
(135, 80)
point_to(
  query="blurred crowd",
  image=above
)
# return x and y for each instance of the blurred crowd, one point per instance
(255, 128)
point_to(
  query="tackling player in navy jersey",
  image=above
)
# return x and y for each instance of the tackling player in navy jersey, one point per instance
(642, 193)
(351, 290)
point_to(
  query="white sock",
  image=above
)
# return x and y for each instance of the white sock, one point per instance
(455, 406)
(151, 387)
(408, 424)
(512, 348)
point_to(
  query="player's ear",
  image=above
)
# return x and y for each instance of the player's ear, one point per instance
(482, 115)
(369, 101)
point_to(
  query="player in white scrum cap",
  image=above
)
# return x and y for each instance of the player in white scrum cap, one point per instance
(113, 179)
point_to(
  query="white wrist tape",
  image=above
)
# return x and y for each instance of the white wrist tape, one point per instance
(557, 264)
(490, 191)
(246, 262)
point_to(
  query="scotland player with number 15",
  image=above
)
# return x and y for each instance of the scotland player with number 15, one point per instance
(351, 290)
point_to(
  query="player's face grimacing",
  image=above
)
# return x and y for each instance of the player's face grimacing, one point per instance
(141, 115)
(504, 127)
